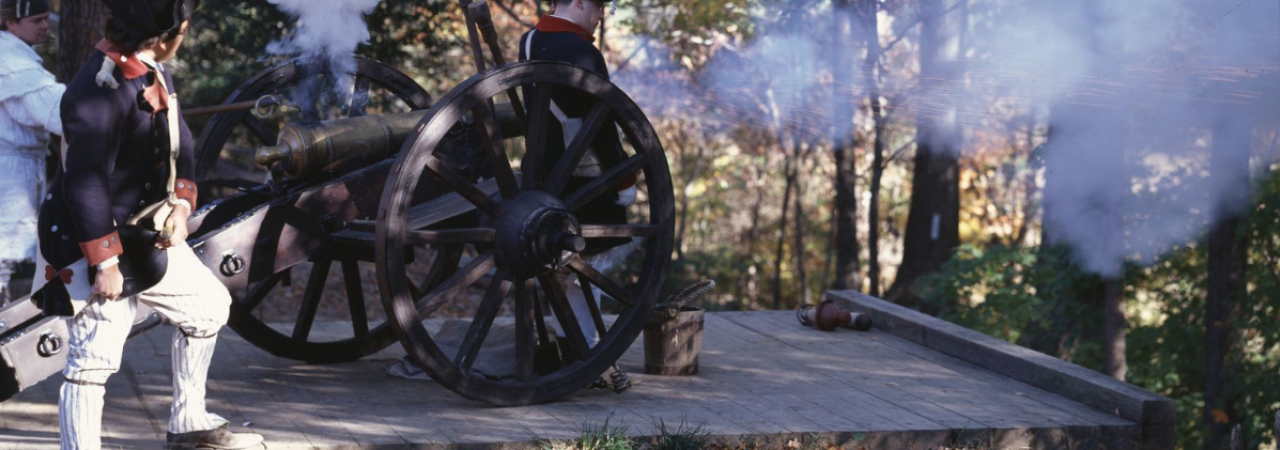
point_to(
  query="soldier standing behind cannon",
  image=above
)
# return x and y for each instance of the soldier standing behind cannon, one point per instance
(119, 158)
(565, 35)
(29, 97)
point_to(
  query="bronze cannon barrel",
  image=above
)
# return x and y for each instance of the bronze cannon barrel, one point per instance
(306, 149)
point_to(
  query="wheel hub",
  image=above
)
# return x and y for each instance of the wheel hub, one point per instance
(536, 233)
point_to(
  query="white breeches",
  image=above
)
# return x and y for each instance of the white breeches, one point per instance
(578, 301)
(21, 188)
(191, 298)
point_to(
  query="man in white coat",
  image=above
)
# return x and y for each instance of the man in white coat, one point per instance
(29, 98)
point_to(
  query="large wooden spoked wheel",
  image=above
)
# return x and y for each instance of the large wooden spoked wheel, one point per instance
(523, 239)
(295, 334)
(283, 313)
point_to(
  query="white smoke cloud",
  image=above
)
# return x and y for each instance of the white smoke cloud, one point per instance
(775, 81)
(327, 30)
(1138, 94)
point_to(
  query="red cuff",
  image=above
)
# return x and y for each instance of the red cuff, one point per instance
(186, 190)
(102, 249)
(627, 182)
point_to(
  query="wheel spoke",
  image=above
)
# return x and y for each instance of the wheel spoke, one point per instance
(260, 294)
(442, 266)
(536, 136)
(605, 181)
(483, 321)
(544, 338)
(415, 293)
(593, 231)
(524, 330)
(463, 187)
(577, 148)
(456, 236)
(564, 315)
(445, 207)
(311, 299)
(604, 283)
(517, 106)
(491, 138)
(359, 97)
(457, 283)
(590, 295)
(355, 297)
(258, 130)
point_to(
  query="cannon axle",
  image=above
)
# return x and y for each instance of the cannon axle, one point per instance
(536, 233)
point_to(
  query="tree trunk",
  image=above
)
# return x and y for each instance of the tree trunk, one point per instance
(1086, 187)
(1084, 192)
(1228, 166)
(868, 19)
(873, 206)
(846, 204)
(933, 220)
(801, 275)
(684, 198)
(1113, 329)
(1028, 186)
(753, 233)
(79, 31)
(846, 242)
(782, 234)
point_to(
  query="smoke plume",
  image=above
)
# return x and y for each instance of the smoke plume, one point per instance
(328, 31)
(1140, 97)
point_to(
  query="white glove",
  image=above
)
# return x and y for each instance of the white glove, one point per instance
(627, 197)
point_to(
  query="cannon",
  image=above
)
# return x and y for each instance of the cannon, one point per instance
(446, 205)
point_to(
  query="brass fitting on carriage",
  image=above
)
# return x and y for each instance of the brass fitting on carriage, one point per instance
(305, 150)
(827, 316)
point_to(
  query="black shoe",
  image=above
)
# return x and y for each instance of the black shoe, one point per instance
(216, 439)
(613, 378)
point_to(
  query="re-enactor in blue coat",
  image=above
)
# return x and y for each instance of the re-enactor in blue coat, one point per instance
(565, 35)
(116, 160)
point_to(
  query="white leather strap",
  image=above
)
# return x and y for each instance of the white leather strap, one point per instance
(159, 211)
(171, 116)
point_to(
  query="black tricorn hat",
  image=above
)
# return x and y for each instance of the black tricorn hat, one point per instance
(152, 17)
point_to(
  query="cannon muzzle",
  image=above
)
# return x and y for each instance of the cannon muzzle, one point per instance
(305, 150)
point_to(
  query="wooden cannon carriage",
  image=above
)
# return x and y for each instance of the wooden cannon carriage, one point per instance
(433, 199)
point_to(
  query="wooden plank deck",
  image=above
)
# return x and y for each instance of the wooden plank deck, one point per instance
(765, 382)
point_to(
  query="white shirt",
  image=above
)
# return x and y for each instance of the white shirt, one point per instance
(29, 105)
(29, 98)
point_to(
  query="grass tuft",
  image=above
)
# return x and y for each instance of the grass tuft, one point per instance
(683, 436)
(605, 436)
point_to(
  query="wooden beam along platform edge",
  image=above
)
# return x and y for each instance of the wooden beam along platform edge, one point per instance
(1155, 413)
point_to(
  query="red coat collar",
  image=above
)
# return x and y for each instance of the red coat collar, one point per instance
(552, 24)
(131, 67)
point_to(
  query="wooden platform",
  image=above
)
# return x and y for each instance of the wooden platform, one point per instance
(766, 382)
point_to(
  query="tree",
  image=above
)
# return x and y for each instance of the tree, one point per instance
(79, 31)
(845, 151)
(933, 220)
(868, 20)
(1228, 257)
